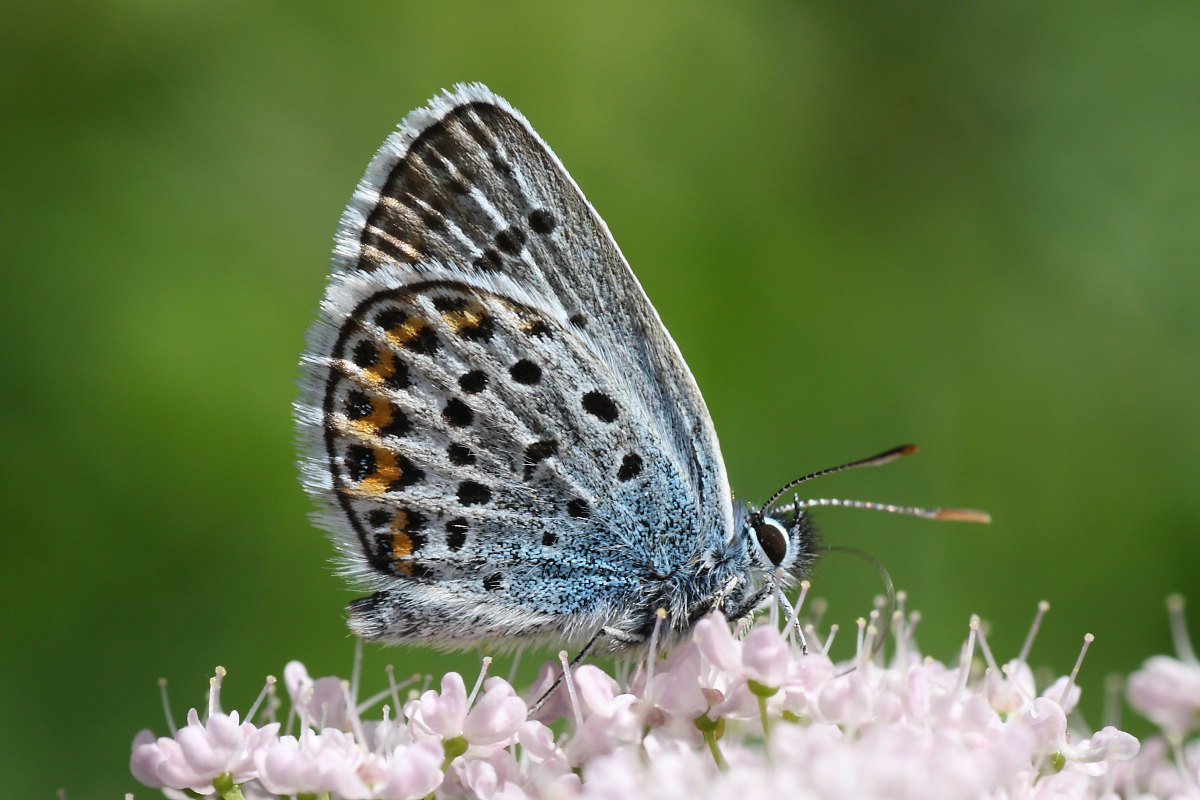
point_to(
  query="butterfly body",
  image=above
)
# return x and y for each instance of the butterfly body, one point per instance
(505, 441)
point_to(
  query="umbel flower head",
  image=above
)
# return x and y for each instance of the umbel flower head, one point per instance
(720, 716)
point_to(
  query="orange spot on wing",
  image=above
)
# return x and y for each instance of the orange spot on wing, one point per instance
(407, 331)
(380, 417)
(402, 546)
(387, 471)
(383, 368)
(469, 316)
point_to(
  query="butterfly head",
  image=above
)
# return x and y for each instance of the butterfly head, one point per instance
(777, 545)
(769, 553)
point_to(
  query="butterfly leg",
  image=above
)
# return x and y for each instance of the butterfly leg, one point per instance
(621, 636)
(562, 676)
(741, 611)
(748, 605)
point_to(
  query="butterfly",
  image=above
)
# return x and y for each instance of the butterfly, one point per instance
(504, 440)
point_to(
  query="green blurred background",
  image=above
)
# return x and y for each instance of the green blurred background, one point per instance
(970, 225)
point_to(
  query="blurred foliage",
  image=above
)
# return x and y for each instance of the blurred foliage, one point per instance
(969, 225)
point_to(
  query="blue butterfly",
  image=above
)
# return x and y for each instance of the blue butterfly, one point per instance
(504, 439)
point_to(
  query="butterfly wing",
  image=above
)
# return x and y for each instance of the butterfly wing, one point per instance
(505, 438)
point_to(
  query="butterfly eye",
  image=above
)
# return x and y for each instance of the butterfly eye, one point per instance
(772, 540)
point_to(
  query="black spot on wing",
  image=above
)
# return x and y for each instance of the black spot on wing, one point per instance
(600, 406)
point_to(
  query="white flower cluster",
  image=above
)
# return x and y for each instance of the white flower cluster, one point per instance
(720, 717)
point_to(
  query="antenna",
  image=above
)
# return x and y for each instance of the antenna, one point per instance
(887, 457)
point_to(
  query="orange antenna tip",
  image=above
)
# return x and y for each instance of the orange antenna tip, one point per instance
(962, 515)
(886, 457)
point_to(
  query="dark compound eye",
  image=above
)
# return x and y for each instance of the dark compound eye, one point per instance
(772, 540)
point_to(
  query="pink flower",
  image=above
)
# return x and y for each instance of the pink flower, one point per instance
(1048, 722)
(413, 771)
(716, 642)
(200, 753)
(496, 716)
(678, 684)
(805, 678)
(766, 656)
(538, 741)
(333, 761)
(556, 705)
(731, 696)
(491, 777)
(1106, 746)
(320, 703)
(1065, 692)
(491, 724)
(313, 763)
(717, 718)
(608, 716)
(440, 715)
(1012, 689)
(847, 700)
(1167, 691)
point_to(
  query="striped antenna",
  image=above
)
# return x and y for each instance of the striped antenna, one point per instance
(887, 457)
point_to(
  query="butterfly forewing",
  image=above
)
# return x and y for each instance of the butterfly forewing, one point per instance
(468, 181)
